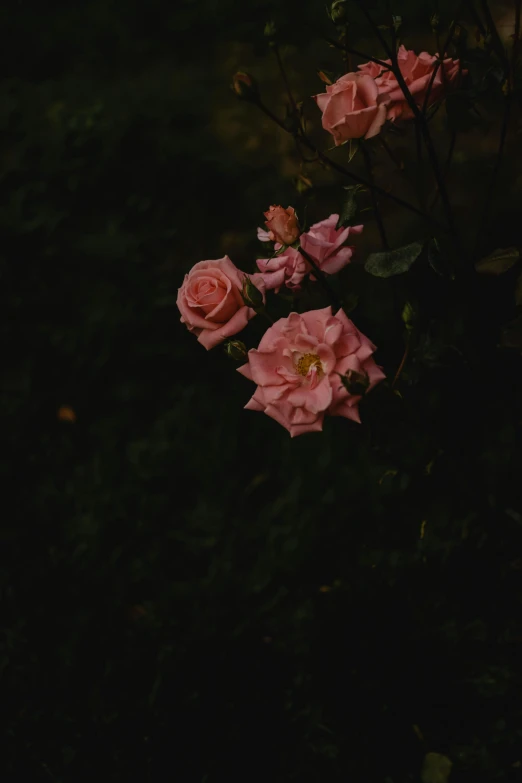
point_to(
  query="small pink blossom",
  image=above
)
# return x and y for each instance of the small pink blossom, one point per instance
(417, 71)
(263, 235)
(352, 108)
(288, 269)
(282, 225)
(297, 368)
(210, 301)
(323, 242)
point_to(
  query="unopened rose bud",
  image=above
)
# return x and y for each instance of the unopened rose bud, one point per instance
(303, 184)
(245, 86)
(435, 22)
(459, 34)
(356, 383)
(270, 29)
(282, 225)
(252, 296)
(235, 349)
(338, 11)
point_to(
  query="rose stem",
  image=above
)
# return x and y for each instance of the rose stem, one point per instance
(337, 303)
(403, 362)
(342, 170)
(376, 209)
(423, 125)
(285, 78)
(503, 131)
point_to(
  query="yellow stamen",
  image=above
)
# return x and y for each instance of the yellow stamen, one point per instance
(306, 361)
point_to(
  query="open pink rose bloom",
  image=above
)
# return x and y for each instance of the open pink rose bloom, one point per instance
(298, 365)
(323, 242)
(352, 108)
(417, 71)
(210, 301)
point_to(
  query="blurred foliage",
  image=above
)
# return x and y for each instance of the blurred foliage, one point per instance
(187, 593)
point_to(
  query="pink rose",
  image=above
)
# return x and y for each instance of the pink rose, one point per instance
(325, 244)
(297, 368)
(282, 225)
(210, 301)
(352, 108)
(287, 269)
(417, 72)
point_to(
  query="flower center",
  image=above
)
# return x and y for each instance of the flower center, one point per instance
(307, 362)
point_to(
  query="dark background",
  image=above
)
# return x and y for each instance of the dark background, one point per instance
(187, 593)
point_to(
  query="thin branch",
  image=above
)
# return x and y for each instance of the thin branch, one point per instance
(320, 275)
(403, 362)
(363, 56)
(375, 202)
(285, 79)
(380, 36)
(441, 54)
(505, 121)
(421, 119)
(497, 43)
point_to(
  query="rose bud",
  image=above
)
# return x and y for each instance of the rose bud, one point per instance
(356, 383)
(282, 225)
(245, 86)
(252, 296)
(235, 349)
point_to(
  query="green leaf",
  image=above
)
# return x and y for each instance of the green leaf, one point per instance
(436, 768)
(393, 262)
(349, 208)
(498, 262)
